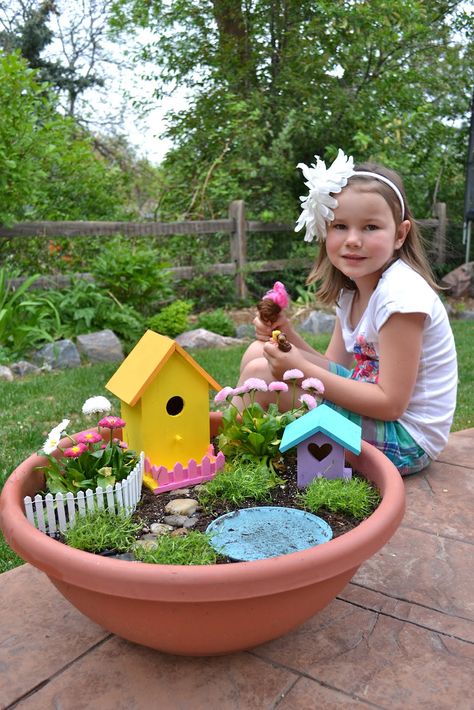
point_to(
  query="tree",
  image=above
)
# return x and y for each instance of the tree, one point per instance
(274, 82)
(29, 31)
(48, 166)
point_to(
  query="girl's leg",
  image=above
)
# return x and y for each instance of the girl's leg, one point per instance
(253, 352)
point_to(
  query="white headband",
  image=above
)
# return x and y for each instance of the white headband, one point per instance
(318, 205)
(388, 182)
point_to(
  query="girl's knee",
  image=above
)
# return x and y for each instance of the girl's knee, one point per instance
(256, 367)
(254, 351)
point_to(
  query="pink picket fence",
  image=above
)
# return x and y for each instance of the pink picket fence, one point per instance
(181, 477)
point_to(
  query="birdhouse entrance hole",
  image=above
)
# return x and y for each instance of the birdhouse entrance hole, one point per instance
(319, 452)
(175, 405)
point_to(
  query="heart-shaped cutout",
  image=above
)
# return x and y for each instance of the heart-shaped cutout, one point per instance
(319, 452)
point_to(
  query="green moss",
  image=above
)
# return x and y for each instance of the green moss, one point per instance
(192, 549)
(101, 530)
(354, 497)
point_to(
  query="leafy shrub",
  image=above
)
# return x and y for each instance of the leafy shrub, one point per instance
(133, 273)
(26, 318)
(100, 530)
(172, 320)
(217, 322)
(85, 307)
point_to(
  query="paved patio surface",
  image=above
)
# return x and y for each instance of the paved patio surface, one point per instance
(400, 635)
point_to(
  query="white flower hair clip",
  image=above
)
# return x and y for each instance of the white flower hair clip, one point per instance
(317, 207)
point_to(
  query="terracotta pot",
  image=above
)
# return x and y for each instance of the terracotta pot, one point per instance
(204, 610)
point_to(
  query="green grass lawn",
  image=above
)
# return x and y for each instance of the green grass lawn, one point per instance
(33, 405)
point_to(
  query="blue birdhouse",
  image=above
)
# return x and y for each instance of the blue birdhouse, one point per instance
(321, 437)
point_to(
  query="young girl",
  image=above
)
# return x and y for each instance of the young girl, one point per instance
(391, 363)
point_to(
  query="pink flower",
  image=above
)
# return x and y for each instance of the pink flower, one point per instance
(312, 384)
(278, 387)
(120, 443)
(278, 294)
(293, 374)
(240, 390)
(74, 451)
(112, 423)
(88, 437)
(223, 395)
(308, 400)
(255, 383)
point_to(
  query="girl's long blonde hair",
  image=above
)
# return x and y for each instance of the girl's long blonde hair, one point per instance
(412, 251)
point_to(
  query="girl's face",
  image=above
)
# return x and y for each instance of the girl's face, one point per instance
(363, 236)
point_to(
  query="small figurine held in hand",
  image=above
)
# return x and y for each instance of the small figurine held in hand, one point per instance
(271, 305)
(282, 341)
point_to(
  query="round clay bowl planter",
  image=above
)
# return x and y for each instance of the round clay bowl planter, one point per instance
(204, 610)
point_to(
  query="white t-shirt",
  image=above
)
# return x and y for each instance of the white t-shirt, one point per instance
(429, 414)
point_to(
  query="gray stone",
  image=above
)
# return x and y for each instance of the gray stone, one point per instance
(178, 492)
(245, 330)
(190, 522)
(202, 338)
(465, 315)
(102, 346)
(175, 521)
(6, 373)
(318, 322)
(59, 355)
(22, 367)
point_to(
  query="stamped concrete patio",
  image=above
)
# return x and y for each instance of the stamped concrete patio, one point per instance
(400, 635)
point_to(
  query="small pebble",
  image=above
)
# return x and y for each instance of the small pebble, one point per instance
(190, 522)
(182, 506)
(176, 521)
(177, 492)
(179, 532)
(160, 528)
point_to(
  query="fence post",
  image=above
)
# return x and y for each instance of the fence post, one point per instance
(439, 240)
(238, 245)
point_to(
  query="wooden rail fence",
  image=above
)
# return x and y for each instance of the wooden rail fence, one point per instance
(236, 225)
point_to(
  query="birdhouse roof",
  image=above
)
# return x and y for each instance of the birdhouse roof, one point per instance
(326, 420)
(144, 363)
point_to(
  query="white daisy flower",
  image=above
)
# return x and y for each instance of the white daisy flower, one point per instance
(95, 405)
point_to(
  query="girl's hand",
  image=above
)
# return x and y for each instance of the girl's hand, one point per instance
(279, 362)
(263, 331)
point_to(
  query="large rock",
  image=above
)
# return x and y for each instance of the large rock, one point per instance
(202, 338)
(460, 281)
(318, 322)
(102, 346)
(23, 367)
(6, 373)
(59, 355)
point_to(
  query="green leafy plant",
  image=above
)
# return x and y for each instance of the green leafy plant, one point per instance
(255, 431)
(101, 530)
(192, 549)
(85, 307)
(87, 461)
(217, 322)
(356, 496)
(133, 273)
(243, 480)
(171, 320)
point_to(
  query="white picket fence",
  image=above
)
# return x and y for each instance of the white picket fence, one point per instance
(52, 513)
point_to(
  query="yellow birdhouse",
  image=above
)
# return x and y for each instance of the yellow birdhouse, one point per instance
(164, 397)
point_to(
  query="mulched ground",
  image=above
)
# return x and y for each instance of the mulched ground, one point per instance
(151, 508)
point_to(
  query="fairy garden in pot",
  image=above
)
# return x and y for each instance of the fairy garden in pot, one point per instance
(231, 513)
